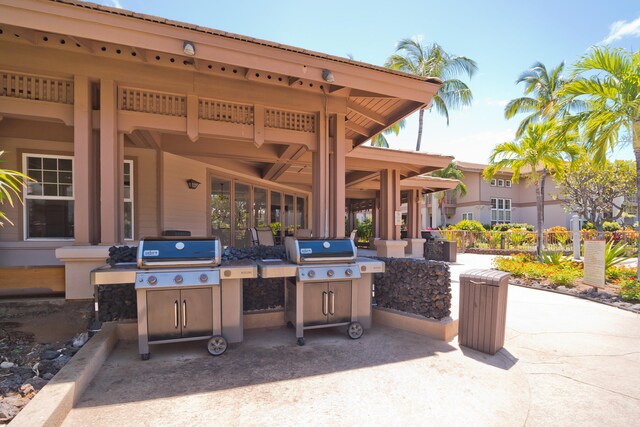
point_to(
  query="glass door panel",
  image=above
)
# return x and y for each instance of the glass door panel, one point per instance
(276, 214)
(259, 207)
(289, 215)
(242, 203)
(221, 210)
(300, 213)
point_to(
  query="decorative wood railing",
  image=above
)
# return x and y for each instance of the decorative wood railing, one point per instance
(36, 88)
(221, 111)
(141, 101)
(290, 120)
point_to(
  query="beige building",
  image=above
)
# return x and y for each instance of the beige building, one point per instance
(134, 125)
(499, 200)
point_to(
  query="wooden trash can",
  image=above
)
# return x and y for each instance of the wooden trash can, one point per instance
(483, 309)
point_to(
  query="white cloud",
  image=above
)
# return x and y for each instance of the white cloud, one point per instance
(111, 3)
(621, 29)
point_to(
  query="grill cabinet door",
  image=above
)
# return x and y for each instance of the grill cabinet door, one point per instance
(339, 302)
(163, 315)
(196, 312)
(316, 298)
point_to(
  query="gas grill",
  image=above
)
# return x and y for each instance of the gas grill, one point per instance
(326, 285)
(178, 293)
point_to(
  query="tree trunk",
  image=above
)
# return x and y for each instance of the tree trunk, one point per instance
(420, 121)
(635, 138)
(540, 216)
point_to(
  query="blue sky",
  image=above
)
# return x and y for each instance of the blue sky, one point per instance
(503, 37)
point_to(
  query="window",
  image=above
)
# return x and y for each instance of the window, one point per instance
(467, 216)
(507, 183)
(493, 182)
(501, 183)
(500, 210)
(48, 207)
(128, 200)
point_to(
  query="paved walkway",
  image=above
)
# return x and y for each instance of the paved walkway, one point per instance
(566, 362)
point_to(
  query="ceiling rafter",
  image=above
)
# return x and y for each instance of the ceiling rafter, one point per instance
(372, 115)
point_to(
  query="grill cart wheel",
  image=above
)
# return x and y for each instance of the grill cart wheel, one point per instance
(217, 345)
(145, 356)
(355, 330)
(300, 341)
(290, 325)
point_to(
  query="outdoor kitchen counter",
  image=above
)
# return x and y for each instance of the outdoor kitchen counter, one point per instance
(126, 272)
(279, 268)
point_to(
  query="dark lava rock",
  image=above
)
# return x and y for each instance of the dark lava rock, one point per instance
(49, 355)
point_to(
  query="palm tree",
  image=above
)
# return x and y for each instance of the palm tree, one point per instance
(11, 184)
(609, 80)
(542, 98)
(451, 172)
(540, 151)
(433, 61)
(381, 141)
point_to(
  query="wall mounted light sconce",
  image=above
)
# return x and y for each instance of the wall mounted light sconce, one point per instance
(193, 184)
(189, 48)
(327, 76)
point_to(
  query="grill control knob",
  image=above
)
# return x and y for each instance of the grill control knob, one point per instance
(330, 273)
(204, 277)
(178, 279)
(311, 274)
(179, 246)
(152, 280)
(326, 245)
(348, 272)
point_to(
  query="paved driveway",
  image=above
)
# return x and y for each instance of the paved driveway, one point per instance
(566, 361)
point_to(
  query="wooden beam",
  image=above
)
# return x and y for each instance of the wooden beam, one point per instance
(154, 139)
(137, 140)
(365, 94)
(84, 44)
(140, 53)
(358, 128)
(358, 177)
(290, 155)
(292, 80)
(378, 118)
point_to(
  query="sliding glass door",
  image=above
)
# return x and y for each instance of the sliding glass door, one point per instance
(221, 210)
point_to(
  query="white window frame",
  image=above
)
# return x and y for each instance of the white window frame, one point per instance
(493, 182)
(495, 212)
(507, 183)
(26, 196)
(130, 199)
(501, 183)
(467, 216)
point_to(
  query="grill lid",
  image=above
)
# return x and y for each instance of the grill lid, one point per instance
(317, 251)
(179, 252)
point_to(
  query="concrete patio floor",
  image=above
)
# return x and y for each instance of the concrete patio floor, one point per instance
(566, 361)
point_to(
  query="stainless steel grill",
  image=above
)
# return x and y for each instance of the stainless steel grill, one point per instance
(178, 293)
(326, 285)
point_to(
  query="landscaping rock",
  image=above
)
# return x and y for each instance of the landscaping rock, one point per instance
(49, 354)
(36, 382)
(7, 365)
(80, 340)
(48, 376)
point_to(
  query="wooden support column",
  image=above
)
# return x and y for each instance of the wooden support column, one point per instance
(375, 216)
(193, 117)
(414, 221)
(320, 181)
(337, 177)
(389, 204)
(111, 159)
(83, 166)
(390, 244)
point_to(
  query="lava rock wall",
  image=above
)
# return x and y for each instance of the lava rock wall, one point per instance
(414, 286)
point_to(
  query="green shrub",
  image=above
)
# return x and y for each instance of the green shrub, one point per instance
(615, 274)
(614, 254)
(469, 225)
(513, 226)
(588, 226)
(552, 257)
(630, 290)
(610, 226)
(364, 229)
(564, 277)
